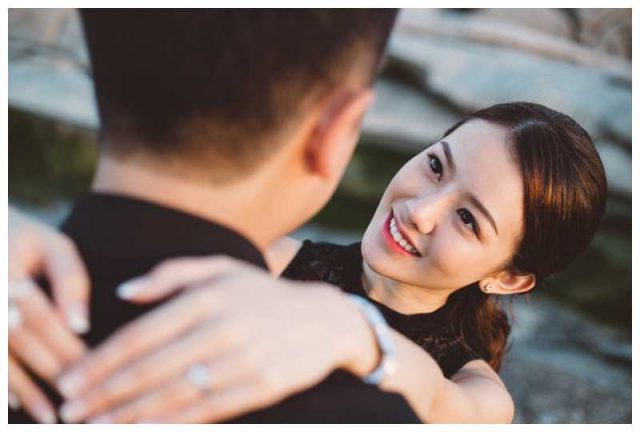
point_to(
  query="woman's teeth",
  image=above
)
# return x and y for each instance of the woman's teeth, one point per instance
(395, 233)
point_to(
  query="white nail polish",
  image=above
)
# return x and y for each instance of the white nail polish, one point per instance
(14, 402)
(14, 316)
(77, 321)
(148, 420)
(131, 287)
(69, 384)
(101, 419)
(44, 415)
(71, 412)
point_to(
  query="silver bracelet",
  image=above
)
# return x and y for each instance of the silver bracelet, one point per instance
(387, 365)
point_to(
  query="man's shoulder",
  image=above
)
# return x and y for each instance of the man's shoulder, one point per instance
(340, 398)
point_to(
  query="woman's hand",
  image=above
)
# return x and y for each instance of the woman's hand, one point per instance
(40, 339)
(256, 339)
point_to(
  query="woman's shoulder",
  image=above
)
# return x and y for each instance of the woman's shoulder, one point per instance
(280, 254)
(340, 265)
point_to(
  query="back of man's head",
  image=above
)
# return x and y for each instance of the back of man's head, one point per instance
(212, 90)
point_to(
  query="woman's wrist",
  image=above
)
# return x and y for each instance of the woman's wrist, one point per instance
(361, 352)
(347, 336)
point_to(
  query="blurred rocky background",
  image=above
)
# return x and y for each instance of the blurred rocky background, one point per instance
(570, 356)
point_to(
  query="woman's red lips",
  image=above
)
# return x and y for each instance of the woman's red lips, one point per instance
(391, 242)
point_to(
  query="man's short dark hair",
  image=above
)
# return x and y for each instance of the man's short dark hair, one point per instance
(214, 87)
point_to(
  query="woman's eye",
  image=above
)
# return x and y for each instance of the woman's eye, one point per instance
(435, 165)
(467, 218)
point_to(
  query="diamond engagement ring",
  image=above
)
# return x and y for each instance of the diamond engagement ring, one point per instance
(199, 376)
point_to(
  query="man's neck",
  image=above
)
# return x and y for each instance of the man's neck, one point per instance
(234, 206)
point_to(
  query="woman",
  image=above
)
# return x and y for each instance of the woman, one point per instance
(508, 196)
(505, 198)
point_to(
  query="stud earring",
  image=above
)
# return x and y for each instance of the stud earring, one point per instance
(487, 288)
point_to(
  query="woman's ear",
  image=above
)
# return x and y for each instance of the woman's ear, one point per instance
(336, 131)
(506, 282)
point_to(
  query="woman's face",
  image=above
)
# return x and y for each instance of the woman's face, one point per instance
(452, 215)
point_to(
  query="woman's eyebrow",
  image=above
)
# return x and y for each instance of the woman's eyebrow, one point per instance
(448, 156)
(475, 201)
(484, 211)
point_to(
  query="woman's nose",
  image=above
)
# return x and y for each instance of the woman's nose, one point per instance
(426, 211)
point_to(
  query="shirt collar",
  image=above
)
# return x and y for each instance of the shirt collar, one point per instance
(112, 225)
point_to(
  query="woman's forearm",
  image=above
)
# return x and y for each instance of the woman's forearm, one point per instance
(474, 395)
(417, 377)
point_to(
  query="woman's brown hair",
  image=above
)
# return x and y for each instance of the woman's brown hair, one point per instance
(565, 194)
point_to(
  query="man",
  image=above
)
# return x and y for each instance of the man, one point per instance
(221, 131)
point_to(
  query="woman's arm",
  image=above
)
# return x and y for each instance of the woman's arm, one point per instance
(280, 254)
(480, 389)
(475, 394)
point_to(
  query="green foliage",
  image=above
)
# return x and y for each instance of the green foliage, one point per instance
(48, 161)
(599, 282)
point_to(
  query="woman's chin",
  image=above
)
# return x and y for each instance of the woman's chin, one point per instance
(374, 255)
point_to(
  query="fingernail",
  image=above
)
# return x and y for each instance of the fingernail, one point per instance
(78, 320)
(14, 402)
(71, 412)
(130, 288)
(44, 414)
(70, 384)
(15, 317)
(147, 421)
(102, 419)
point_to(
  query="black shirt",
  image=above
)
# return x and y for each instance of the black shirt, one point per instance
(342, 266)
(120, 238)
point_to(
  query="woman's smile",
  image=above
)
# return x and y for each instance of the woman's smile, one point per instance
(395, 239)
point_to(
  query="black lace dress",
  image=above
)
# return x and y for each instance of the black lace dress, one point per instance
(342, 266)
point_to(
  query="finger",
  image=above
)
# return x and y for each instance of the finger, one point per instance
(70, 283)
(173, 275)
(169, 397)
(178, 393)
(154, 329)
(149, 372)
(29, 395)
(14, 401)
(218, 406)
(34, 354)
(38, 316)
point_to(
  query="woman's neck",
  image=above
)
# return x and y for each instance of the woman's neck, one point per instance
(403, 298)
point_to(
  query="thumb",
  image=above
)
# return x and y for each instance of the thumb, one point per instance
(174, 275)
(70, 283)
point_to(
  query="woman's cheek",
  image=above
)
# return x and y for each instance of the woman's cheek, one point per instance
(453, 259)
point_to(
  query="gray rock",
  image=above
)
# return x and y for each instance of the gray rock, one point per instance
(617, 164)
(55, 32)
(62, 93)
(551, 21)
(473, 76)
(48, 66)
(564, 368)
(402, 117)
(53, 214)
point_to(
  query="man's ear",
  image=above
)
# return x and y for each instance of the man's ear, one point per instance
(506, 282)
(335, 133)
